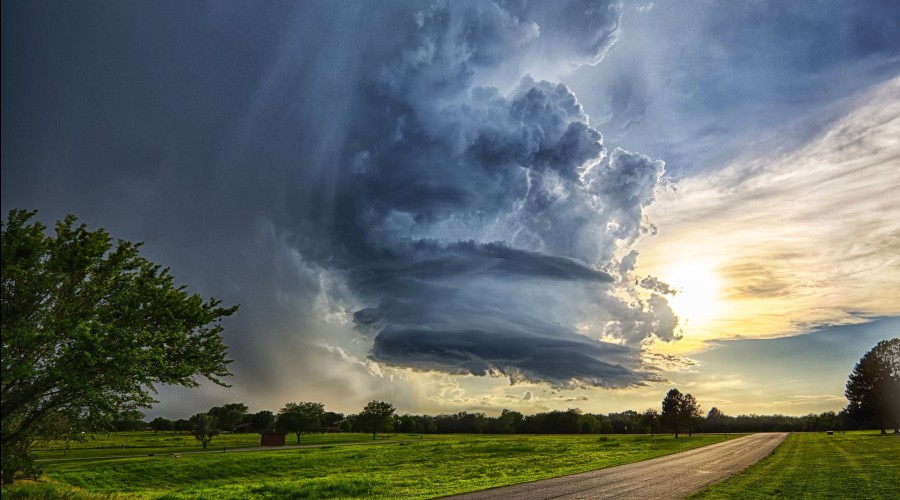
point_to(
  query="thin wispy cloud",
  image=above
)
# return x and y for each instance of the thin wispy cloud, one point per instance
(799, 238)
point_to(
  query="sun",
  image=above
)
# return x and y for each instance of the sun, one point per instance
(697, 291)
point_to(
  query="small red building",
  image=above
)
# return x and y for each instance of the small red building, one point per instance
(272, 438)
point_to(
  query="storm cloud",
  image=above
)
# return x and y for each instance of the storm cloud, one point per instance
(408, 184)
(477, 224)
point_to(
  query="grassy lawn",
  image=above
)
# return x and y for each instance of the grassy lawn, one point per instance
(863, 465)
(144, 443)
(434, 466)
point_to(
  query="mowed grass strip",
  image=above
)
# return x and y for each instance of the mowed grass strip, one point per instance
(428, 468)
(145, 442)
(863, 465)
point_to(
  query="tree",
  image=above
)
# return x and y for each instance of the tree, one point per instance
(509, 421)
(679, 410)
(263, 421)
(204, 427)
(376, 416)
(88, 330)
(650, 420)
(714, 414)
(229, 416)
(873, 389)
(690, 413)
(332, 419)
(182, 425)
(671, 407)
(300, 417)
(716, 420)
(589, 424)
(131, 420)
(161, 424)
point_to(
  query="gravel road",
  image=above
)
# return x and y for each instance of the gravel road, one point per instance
(672, 476)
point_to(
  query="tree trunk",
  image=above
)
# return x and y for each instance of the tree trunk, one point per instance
(373, 435)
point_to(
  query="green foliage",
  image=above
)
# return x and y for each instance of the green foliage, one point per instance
(873, 389)
(300, 417)
(162, 424)
(129, 420)
(263, 421)
(650, 420)
(88, 330)
(143, 443)
(691, 413)
(376, 416)
(508, 421)
(204, 427)
(229, 416)
(815, 465)
(680, 410)
(332, 419)
(428, 468)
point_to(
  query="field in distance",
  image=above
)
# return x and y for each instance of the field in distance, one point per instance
(145, 443)
(864, 465)
(435, 465)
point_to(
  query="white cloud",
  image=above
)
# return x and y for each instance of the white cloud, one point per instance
(798, 238)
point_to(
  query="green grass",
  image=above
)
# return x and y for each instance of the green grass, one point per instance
(863, 465)
(145, 443)
(427, 468)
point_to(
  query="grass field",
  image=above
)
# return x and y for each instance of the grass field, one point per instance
(145, 443)
(864, 465)
(426, 468)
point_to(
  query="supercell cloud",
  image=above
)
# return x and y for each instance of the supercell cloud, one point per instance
(410, 184)
(477, 217)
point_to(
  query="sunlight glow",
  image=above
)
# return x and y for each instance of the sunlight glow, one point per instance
(697, 299)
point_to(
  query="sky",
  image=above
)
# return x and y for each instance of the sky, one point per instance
(478, 205)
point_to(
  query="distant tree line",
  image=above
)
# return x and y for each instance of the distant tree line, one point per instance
(872, 392)
(679, 413)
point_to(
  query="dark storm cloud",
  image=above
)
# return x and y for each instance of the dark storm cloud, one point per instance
(394, 160)
(431, 260)
(464, 213)
(523, 356)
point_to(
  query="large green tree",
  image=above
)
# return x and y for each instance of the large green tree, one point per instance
(679, 410)
(300, 417)
(229, 416)
(89, 328)
(873, 389)
(376, 416)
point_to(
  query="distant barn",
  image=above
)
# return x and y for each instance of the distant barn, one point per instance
(272, 438)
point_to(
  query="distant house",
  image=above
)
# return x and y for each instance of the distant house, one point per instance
(245, 427)
(272, 438)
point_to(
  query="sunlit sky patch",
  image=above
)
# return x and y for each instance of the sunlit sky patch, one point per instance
(485, 205)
